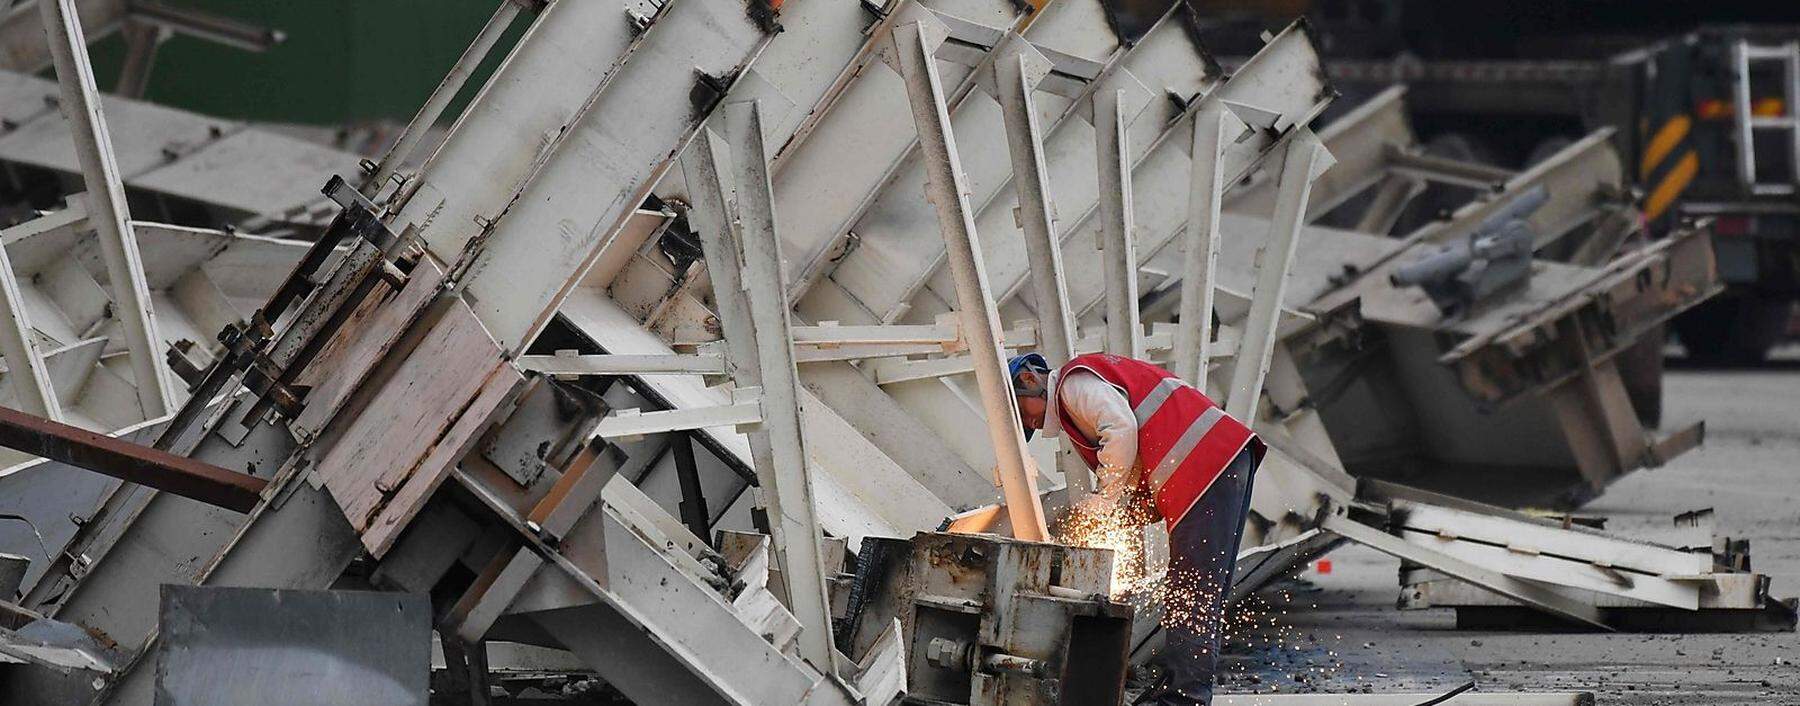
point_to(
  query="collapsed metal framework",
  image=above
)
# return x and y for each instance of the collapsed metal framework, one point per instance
(434, 385)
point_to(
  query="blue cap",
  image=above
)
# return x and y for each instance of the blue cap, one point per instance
(1028, 361)
(1022, 362)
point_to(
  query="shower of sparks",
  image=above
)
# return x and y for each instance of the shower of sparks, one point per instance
(1116, 528)
(1259, 651)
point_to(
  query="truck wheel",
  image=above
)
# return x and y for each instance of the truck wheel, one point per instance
(1732, 329)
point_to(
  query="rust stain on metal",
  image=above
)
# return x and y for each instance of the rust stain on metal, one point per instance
(126, 461)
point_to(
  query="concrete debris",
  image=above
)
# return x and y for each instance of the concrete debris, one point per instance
(664, 366)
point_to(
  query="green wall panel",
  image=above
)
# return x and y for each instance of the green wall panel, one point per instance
(343, 61)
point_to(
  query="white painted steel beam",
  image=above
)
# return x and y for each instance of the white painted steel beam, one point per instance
(909, 52)
(142, 39)
(74, 215)
(1541, 538)
(1387, 203)
(620, 123)
(828, 333)
(1306, 158)
(624, 364)
(544, 85)
(108, 212)
(1113, 114)
(630, 423)
(787, 486)
(1520, 562)
(492, 592)
(1521, 590)
(743, 253)
(1016, 72)
(1213, 125)
(864, 351)
(22, 43)
(1269, 79)
(1162, 164)
(1014, 76)
(891, 298)
(25, 369)
(1156, 345)
(824, 228)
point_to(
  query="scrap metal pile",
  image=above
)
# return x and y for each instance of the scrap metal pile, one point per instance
(670, 356)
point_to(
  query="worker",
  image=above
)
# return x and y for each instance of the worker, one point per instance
(1159, 444)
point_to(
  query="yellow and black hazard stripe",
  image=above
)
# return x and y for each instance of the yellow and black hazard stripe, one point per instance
(1668, 160)
(1669, 164)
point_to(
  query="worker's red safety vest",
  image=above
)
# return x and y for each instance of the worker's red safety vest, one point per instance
(1184, 440)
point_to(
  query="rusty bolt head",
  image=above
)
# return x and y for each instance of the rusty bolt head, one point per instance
(945, 653)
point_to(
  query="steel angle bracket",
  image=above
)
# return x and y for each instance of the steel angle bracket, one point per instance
(1256, 118)
(1133, 96)
(1033, 66)
(974, 44)
(360, 223)
(361, 217)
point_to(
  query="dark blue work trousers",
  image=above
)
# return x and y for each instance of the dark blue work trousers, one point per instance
(1202, 552)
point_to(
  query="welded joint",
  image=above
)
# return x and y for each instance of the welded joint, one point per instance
(1132, 95)
(932, 35)
(1015, 60)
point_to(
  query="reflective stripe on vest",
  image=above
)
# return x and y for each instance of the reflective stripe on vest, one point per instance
(1155, 399)
(1185, 441)
(1184, 446)
(1189, 438)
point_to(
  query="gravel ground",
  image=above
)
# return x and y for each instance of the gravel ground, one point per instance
(1342, 633)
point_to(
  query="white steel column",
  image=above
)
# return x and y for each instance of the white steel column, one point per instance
(106, 205)
(765, 290)
(748, 283)
(1213, 124)
(32, 390)
(1305, 159)
(1014, 75)
(909, 52)
(703, 164)
(1124, 331)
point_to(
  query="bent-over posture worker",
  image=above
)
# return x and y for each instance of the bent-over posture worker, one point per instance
(1148, 434)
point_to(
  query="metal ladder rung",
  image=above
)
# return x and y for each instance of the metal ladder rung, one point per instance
(1788, 54)
(1756, 53)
